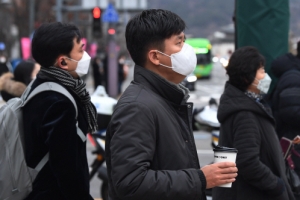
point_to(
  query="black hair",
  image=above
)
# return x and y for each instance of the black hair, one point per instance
(298, 49)
(23, 72)
(148, 30)
(53, 39)
(243, 65)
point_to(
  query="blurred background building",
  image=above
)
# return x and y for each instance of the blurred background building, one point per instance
(103, 22)
(208, 19)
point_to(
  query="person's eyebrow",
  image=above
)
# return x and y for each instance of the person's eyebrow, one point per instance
(82, 46)
(180, 37)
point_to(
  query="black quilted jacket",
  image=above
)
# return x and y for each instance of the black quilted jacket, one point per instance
(249, 127)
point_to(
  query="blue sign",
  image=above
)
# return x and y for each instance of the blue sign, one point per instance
(2, 46)
(110, 14)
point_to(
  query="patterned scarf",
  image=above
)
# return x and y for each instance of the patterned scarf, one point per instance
(254, 96)
(78, 86)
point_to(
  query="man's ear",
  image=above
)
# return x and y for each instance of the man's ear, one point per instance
(153, 57)
(61, 62)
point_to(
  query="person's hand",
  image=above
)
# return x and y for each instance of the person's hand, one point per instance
(296, 140)
(219, 173)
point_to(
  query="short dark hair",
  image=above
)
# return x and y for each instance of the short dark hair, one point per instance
(149, 29)
(243, 65)
(298, 49)
(53, 39)
(23, 72)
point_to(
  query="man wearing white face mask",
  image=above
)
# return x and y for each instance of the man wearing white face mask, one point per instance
(50, 123)
(150, 147)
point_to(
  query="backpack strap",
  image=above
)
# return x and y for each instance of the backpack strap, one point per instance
(49, 86)
(42, 162)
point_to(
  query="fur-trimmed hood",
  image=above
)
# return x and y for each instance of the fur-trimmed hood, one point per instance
(7, 84)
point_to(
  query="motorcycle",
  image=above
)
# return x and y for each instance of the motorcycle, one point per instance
(98, 166)
(104, 106)
(206, 119)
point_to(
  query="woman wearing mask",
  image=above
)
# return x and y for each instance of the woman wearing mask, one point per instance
(13, 85)
(248, 126)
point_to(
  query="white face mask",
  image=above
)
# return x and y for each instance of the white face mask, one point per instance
(264, 84)
(83, 64)
(2, 59)
(183, 62)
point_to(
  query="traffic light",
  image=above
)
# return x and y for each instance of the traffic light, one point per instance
(97, 25)
(111, 31)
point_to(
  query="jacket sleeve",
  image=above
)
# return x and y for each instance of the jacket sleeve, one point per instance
(289, 107)
(59, 124)
(248, 141)
(132, 148)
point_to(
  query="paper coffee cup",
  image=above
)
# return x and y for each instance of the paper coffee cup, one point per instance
(225, 154)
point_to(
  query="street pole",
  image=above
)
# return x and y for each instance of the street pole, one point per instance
(31, 16)
(112, 68)
(78, 3)
(58, 10)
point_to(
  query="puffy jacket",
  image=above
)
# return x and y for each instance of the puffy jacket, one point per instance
(248, 126)
(285, 100)
(150, 147)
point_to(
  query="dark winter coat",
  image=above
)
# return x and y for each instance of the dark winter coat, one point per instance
(3, 68)
(150, 147)
(247, 126)
(10, 88)
(285, 100)
(50, 126)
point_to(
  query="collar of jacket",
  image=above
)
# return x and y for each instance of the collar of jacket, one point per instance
(234, 100)
(43, 77)
(177, 94)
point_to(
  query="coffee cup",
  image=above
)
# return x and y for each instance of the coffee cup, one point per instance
(224, 154)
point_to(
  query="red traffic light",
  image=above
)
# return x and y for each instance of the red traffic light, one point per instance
(111, 31)
(96, 12)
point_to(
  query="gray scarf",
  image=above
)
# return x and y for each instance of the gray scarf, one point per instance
(78, 87)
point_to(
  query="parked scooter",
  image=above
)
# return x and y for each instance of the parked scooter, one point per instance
(104, 106)
(206, 119)
(98, 166)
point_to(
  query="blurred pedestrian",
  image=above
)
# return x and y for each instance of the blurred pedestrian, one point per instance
(3, 64)
(121, 73)
(50, 123)
(105, 71)
(285, 99)
(150, 148)
(97, 72)
(13, 85)
(247, 124)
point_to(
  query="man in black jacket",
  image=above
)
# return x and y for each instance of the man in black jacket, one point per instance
(285, 99)
(150, 148)
(50, 125)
